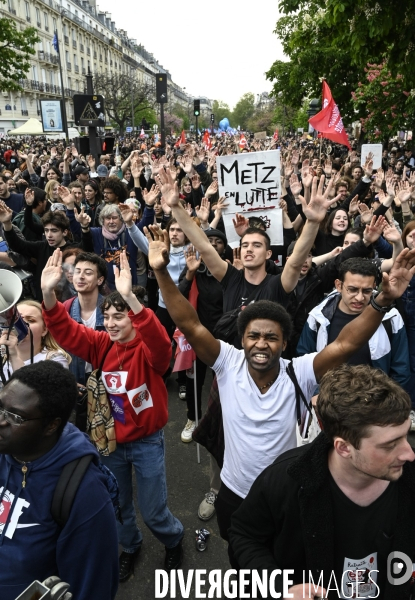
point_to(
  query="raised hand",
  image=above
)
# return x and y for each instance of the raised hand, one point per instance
(195, 181)
(169, 188)
(316, 209)
(295, 185)
(188, 165)
(328, 167)
(368, 166)
(52, 273)
(150, 196)
(158, 248)
(91, 162)
(212, 189)
(122, 275)
(391, 234)
(305, 168)
(29, 196)
(379, 178)
(237, 262)
(203, 211)
(6, 213)
(395, 283)
(192, 259)
(127, 214)
(374, 229)
(74, 151)
(404, 192)
(221, 204)
(53, 152)
(354, 205)
(83, 219)
(241, 224)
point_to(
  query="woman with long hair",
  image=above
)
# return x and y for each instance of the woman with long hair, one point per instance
(38, 345)
(51, 189)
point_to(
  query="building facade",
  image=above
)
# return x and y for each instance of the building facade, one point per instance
(88, 41)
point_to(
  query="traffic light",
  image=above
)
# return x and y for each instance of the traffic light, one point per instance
(196, 108)
(212, 118)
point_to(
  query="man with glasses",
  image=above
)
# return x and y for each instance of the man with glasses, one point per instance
(388, 347)
(36, 443)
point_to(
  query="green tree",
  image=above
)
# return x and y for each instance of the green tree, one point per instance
(243, 111)
(388, 104)
(16, 47)
(122, 93)
(221, 110)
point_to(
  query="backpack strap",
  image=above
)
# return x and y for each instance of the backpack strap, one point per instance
(67, 486)
(387, 323)
(298, 393)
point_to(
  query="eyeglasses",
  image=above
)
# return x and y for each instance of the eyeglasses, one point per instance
(353, 291)
(13, 419)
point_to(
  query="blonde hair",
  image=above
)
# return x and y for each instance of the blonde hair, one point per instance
(48, 341)
(49, 188)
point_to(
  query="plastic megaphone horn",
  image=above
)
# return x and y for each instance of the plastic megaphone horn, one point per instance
(10, 292)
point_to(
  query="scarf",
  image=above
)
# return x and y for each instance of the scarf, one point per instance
(112, 236)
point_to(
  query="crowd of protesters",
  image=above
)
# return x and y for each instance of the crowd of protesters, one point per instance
(109, 251)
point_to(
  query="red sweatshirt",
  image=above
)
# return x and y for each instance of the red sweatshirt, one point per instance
(137, 392)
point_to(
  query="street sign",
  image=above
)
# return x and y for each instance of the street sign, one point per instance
(128, 129)
(89, 110)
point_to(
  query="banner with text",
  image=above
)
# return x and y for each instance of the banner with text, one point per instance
(250, 183)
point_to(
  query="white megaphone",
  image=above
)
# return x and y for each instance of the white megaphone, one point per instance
(10, 291)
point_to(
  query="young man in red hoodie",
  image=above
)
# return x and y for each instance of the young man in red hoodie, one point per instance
(134, 352)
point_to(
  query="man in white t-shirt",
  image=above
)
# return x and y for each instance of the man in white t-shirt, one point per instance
(257, 396)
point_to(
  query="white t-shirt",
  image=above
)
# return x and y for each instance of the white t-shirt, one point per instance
(258, 427)
(91, 324)
(55, 355)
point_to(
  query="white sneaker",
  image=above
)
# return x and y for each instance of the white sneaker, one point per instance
(188, 430)
(207, 507)
(412, 416)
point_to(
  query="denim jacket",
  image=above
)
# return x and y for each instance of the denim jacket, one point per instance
(77, 366)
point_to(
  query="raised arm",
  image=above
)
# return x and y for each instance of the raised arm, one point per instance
(181, 311)
(197, 237)
(315, 212)
(360, 330)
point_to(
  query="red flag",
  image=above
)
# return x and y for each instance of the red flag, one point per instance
(181, 140)
(206, 140)
(242, 141)
(328, 121)
(185, 355)
(276, 135)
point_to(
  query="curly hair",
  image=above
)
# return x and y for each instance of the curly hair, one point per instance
(265, 309)
(118, 187)
(372, 398)
(55, 387)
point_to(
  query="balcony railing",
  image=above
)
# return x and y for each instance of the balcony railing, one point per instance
(81, 47)
(31, 84)
(49, 58)
(74, 44)
(76, 68)
(66, 38)
(25, 113)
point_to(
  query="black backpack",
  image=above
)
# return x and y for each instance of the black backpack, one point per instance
(69, 482)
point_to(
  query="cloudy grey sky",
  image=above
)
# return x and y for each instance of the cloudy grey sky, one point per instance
(219, 49)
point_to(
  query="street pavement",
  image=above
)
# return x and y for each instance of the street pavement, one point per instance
(187, 483)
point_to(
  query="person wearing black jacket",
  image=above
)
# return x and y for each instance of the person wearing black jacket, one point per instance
(341, 505)
(56, 226)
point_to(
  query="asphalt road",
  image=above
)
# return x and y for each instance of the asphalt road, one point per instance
(187, 483)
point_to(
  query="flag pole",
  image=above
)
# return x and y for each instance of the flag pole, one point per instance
(64, 117)
(321, 144)
(196, 417)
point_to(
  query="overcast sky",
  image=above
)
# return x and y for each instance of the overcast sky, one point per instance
(219, 49)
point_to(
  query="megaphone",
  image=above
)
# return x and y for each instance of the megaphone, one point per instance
(10, 291)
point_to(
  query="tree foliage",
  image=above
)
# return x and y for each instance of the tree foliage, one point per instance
(221, 110)
(389, 105)
(243, 111)
(121, 92)
(16, 47)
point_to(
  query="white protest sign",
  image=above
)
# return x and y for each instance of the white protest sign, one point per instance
(376, 150)
(250, 182)
(273, 226)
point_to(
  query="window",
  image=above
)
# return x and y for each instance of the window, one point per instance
(51, 78)
(74, 35)
(46, 21)
(54, 24)
(75, 60)
(35, 77)
(67, 56)
(69, 82)
(27, 9)
(43, 72)
(38, 17)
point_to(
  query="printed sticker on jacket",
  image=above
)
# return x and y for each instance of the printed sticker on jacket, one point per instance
(140, 398)
(360, 577)
(115, 381)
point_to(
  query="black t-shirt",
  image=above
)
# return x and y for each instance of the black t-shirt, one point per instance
(340, 320)
(363, 539)
(236, 289)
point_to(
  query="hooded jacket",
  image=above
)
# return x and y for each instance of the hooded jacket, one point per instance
(392, 356)
(33, 546)
(287, 522)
